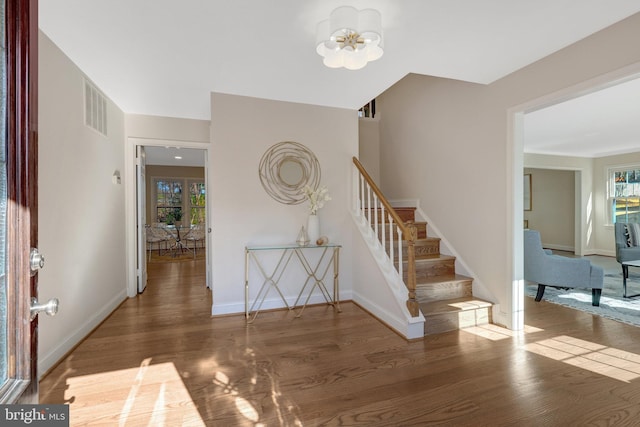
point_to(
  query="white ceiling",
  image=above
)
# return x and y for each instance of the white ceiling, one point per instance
(164, 57)
(602, 123)
(173, 156)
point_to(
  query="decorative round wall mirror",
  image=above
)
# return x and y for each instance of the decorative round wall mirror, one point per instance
(286, 168)
(291, 171)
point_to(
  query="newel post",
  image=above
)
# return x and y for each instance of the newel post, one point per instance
(412, 303)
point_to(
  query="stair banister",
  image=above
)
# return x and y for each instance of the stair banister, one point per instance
(408, 232)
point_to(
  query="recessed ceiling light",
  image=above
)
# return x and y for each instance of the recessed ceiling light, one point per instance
(178, 157)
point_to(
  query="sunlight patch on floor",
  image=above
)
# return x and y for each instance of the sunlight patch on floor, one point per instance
(614, 363)
(470, 304)
(497, 333)
(244, 402)
(244, 407)
(147, 395)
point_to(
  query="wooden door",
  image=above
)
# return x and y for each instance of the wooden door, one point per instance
(19, 380)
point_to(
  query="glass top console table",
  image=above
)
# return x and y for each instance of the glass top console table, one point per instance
(315, 272)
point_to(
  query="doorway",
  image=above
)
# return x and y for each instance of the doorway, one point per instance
(175, 204)
(554, 207)
(585, 222)
(166, 193)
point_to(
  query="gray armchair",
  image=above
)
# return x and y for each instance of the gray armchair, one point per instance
(623, 251)
(545, 269)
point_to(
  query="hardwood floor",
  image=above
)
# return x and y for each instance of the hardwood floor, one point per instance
(160, 359)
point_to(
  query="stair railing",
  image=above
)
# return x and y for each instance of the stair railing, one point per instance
(382, 219)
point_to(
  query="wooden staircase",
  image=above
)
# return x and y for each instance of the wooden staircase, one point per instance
(445, 297)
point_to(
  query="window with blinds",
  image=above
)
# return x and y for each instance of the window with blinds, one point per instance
(624, 194)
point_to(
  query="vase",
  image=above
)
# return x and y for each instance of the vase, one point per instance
(313, 228)
(303, 238)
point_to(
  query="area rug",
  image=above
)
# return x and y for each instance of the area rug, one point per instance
(612, 304)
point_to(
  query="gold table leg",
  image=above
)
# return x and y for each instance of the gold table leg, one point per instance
(270, 281)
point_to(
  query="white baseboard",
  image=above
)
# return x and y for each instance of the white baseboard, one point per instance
(587, 252)
(411, 328)
(558, 247)
(271, 303)
(603, 252)
(49, 360)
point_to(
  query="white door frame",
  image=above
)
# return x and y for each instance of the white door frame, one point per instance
(515, 166)
(131, 202)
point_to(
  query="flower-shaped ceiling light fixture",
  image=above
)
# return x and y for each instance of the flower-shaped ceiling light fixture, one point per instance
(350, 38)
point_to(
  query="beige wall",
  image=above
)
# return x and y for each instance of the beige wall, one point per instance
(553, 207)
(455, 138)
(369, 146)
(166, 128)
(585, 220)
(242, 213)
(157, 171)
(81, 211)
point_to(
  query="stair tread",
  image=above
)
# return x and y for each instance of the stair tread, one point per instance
(446, 278)
(452, 305)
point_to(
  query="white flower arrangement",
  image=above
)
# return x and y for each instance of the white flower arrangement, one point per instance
(316, 197)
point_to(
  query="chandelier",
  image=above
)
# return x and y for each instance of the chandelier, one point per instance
(350, 38)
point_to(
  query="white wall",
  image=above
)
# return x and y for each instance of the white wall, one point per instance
(81, 212)
(242, 129)
(552, 213)
(456, 139)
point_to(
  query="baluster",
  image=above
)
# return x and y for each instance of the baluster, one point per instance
(391, 249)
(369, 203)
(362, 197)
(375, 215)
(360, 191)
(400, 268)
(390, 243)
(382, 238)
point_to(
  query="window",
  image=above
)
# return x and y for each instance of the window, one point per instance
(168, 201)
(197, 201)
(177, 197)
(368, 110)
(624, 194)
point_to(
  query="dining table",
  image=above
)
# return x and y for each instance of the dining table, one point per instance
(178, 233)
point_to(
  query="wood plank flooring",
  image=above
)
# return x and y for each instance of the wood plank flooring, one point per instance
(161, 359)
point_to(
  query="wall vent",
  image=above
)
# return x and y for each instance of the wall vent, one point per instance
(95, 108)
